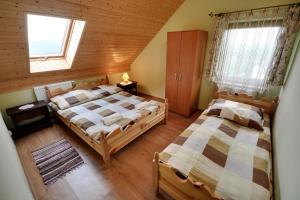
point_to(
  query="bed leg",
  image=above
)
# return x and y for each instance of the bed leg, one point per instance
(107, 161)
(105, 150)
(156, 173)
(166, 111)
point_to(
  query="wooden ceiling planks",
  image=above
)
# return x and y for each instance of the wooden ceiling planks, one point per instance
(116, 32)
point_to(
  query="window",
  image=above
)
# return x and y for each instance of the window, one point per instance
(250, 49)
(250, 53)
(245, 57)
(47, 35)
(52, 42)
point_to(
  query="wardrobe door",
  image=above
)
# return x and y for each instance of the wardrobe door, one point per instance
(173, 61)
(188, 63)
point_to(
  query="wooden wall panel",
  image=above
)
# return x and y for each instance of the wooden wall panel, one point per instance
(116, 32)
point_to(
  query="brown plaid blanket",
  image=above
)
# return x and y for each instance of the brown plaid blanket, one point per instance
(233, 160)
(89, 116)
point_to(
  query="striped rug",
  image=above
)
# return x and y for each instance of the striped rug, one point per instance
(56, 160)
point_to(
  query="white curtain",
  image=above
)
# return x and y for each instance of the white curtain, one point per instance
(244, 46)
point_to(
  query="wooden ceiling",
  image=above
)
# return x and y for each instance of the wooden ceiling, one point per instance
(116, 32)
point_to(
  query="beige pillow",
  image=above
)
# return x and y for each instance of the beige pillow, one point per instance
(56, 91)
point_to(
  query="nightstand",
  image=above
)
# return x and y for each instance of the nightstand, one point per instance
(131, 88)
(29, 119)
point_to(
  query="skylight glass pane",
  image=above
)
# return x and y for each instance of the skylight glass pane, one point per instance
(46, 35)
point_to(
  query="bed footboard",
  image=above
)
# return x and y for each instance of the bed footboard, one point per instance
(165, 178)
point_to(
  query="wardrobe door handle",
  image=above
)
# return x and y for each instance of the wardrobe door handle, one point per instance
(175, 75)
(180, 77)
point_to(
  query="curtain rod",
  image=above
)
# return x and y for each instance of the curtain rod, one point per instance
(211, 14)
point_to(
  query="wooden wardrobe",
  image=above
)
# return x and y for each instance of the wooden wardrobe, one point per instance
(185, 60)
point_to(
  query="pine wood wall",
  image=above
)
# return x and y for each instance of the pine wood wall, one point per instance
(116, 32)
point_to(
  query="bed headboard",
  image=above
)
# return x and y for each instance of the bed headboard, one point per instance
(91, 83)
(43, 92)
(268, 105)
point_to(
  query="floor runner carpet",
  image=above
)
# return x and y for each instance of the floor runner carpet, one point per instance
(56, 160)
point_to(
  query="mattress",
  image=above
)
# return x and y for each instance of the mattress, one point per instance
(232, 160)
(89, 116)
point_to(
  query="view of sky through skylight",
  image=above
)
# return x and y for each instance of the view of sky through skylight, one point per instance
(46, 35)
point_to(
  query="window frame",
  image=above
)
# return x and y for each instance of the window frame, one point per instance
(66, 39)
(41, 65)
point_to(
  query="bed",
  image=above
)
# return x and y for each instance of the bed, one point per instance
(104, 116)
(218, 158)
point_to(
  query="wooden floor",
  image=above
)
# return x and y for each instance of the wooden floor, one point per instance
(130, 175)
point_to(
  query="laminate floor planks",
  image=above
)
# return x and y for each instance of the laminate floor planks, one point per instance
(130, 174)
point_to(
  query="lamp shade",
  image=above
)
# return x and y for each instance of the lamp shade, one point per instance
(125, 77)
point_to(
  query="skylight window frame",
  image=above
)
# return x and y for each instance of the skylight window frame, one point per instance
(66, 39)
(42, 64)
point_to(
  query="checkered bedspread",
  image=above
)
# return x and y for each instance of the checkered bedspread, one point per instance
(76, 97)
(88, 116)
(233, 160)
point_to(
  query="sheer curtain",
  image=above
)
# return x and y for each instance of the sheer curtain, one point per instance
(244, 48)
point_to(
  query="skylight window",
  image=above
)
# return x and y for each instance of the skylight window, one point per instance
(52, 42)
(47, 35)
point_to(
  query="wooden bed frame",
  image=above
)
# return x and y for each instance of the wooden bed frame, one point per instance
(113, 142)
(166, 178)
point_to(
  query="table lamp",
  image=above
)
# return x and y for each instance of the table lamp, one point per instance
(125, 78)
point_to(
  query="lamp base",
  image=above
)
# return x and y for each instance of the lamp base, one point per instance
(125, 83)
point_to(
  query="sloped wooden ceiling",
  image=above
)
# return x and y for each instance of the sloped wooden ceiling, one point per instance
(116, 32)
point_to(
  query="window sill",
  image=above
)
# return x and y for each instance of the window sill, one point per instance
(50, 64)
(236, 86)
